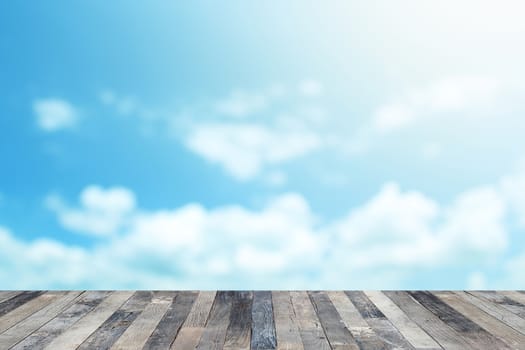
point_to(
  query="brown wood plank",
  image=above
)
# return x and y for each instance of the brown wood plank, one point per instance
(377, 320)
(191, 331)
(437, 329)
(286, 328)
(10, 319)
(24, 328)
(507, 334)
(9, 305)
(45, 334)
(137, 334)
(238, 334)
(81, 330)
(510, 304)
(338, 335)
(496, 311)
(471, 331)
(408, 328)
(310, 329)
(263, 325)
(112, 328)
(364, 335)
(214, 334)
(168, 327)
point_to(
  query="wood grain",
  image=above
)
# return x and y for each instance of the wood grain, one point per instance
(238, 334)
(263, 326)
(310, 329)
(214, 335)
(9, 305)
(286, 328)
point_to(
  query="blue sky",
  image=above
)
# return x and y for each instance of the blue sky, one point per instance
(262, 145)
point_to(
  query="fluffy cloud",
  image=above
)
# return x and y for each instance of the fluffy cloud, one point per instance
(244, 149)
(54, 114)
(241, 104)
(377, 244)
(101, 212)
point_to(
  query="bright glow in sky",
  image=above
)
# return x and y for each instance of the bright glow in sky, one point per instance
(342, 144)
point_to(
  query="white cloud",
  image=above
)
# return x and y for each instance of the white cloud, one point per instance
(243, 149)
(477, 281)
(241, 104)
(445, 95)
(310, 88)
(102, 212)
(54, 114)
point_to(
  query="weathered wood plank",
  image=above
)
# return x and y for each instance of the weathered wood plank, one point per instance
(112, 328)
(80, 331)
(9, 305)
(137, 334)
(214, 334)
(408, 328)
(496, 311)
(24, 328)
(6, 295)
(437, 329)
(286, 328)
(310, 329)
(191, 331)
(510, 304)
(10, 319)
(518, 296)
(338, 335)
(469, 330)
(364, 335)
(377, 320)
(45, 334)
(507, 334)
(263, 326)
(238, 334)
(168, 327)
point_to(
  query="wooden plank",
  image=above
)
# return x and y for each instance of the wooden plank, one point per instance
(501, 299)
(168, 327)
(496, 311)
(286, 328)
(263, 325)
(108, 333)
(6, 295)
(214, 334)
(338, 335)
(24, 328)
(310, 329)
(437, 329)
(80, 331)
(191, 331)
(377, 320)
(137, 334)
(510, 336)
(408, 328)
(364, 335)
(27, 309)
(9, 305)
(45, 334)
(518, 296)
(238, 334)
(469, 330)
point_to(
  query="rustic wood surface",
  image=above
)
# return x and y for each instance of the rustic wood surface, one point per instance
(291, 320)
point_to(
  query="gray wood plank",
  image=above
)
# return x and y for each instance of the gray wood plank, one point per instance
(338, 335)
(364, 335)
(510, 304)
(214, 334)
(507, 334)
(238, 334)
(24, 328)
(191, 331)
(377, 320)
(437, 329)
(9, 305)
(82, 329)
(6, 295)
(113, 327)
(471, 331)
(286, 328)
(310, 329)
(45, 334)
(138, 332)
(263, 325)
(168, 327)
(408, 328)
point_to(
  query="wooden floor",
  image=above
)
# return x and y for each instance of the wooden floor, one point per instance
(262, 320)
